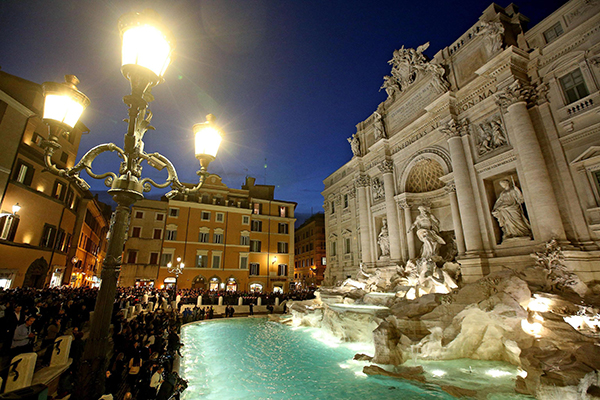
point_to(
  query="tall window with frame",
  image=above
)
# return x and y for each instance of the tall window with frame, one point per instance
(166, 259)
(573, 86)
(244, 262)
(244, 240)
(201, 261)
(171, 233)
(283, 211)
(8, 227)
(254, 269)
(554, 32)
(203, 236)
(345, 201)
(333, 248)
(23, 173)
(282, 247)
(255, 246)
(283, 228)
(333, 207)
(257, 208)
(218, 238)
(216, 261)
(282, 270)
(153, 259)
(58, 191)
(347, 246)
(132, 257)
(256, 226)
(48, 236)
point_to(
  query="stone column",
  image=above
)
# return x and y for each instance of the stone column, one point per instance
(362, 183)
(410, 236)
(464, 188)
(387, 168)
(542, 201)
(456, 221)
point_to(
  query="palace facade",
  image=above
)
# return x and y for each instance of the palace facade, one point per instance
(497, 136)
(227, 239)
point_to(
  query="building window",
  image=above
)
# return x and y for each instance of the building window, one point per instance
(257, 208)
(8, 227)
(283, 228)
(333, 249)
(153, 259)
(245, 219)
(282, 247)
(132, 257)
(58, 191)
(59, 242)
(64, 157)
(203, 237)
(220, 217)
(136, 232)
(171, 234)
(139, 214)
(345, 201)
(201, 261)
(254, 269)
(166, 259)
(37, 139)
(75, 203)
(332, 207)
(574, 86)
(205, 216)
(216, 262)
(23, 173)
(157, 234)
(173, 212)
(69, 199)
(347, 245)
(551, 34)
(205, 199)
(48, 235)
(244, 240)
(256, 226)
(159, 216)
(243, 262)
(282, 270)
(255, 246)
(218, 238)
(283, 211)
(323, 261)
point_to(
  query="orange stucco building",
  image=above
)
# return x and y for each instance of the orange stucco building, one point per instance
(38, 243)
(234, 239)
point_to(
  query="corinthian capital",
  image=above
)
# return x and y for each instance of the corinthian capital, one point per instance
(514, 93)
(454, 128)
(386, 167)
(450, 187)
(362, 181)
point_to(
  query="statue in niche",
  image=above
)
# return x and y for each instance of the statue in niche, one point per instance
(354, 144)
(508, 210)
(492, 33)
(428, 232)
(378, 127)
(384, 239)
(378, 191)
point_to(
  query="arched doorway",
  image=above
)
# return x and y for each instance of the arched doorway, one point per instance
(232, 285)
(35, 276)
(199, 282)
(256, 287)
(169, 282)
(214, 283)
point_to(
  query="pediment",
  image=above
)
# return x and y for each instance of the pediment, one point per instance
(590, 153)
(346, 232)
(332, 236)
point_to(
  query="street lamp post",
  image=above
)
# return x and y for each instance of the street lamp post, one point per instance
(146, 54)
(176, 269)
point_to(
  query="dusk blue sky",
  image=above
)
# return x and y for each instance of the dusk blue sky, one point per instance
(287, 80)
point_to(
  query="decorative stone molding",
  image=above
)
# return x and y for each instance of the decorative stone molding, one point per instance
(514, 93)
(351, 192)
(450, 187)
(386, 167)
(542, 93)
(362, 181)
(403, 203)
(454, 128)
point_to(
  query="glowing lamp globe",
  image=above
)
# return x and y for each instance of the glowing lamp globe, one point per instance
(16, 208)
(63, 103)
(147, 46)
(208, 139)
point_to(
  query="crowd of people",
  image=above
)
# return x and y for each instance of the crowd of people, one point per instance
(144, 347)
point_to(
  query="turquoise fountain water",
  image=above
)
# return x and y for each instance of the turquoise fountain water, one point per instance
(251, 358)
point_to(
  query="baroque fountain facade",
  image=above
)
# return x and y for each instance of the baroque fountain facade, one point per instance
(466, 224)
